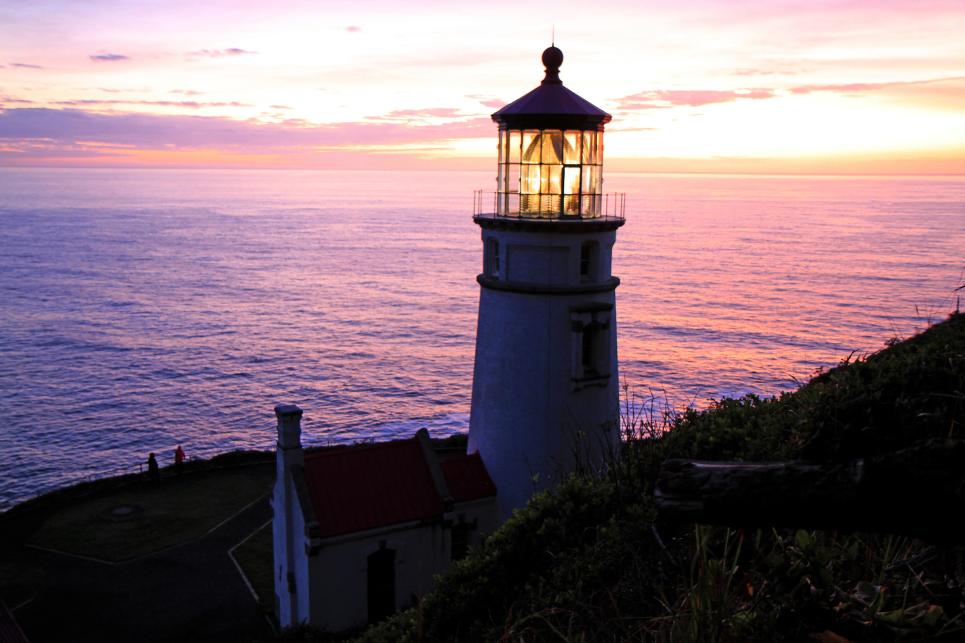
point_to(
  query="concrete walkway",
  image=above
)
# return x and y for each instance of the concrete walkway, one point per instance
(191, 592)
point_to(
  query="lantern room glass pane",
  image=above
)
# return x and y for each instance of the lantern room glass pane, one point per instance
(571, 205)
(531, 145)
(589, 148)
(591, 179)
(571, 147)
(501, 146)
(549, 205)
(552, 146)
(513, 155)
(591, 205)
(530, 183)
(550, 179)
(512, 204)
(528, 203)
(571, 180)
(512, 178)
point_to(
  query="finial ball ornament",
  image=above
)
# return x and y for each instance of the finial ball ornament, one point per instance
(552, 58)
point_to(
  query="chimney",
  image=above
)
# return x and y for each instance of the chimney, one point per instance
(289, 426)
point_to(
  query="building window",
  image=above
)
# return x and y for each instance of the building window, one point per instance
(460, 539)
(589, 259)
(381, 584)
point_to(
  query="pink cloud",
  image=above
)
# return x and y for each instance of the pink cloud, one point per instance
(851, 88)
(416, 114)
(660, 99)
(950, 88)
(221, 53)
(24, 66)
(108, 58)
(189, 104)
(487, 101)
(764, 71)
(18, 101)
(64, 127)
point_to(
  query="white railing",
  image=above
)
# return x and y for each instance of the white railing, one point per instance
(511, 205)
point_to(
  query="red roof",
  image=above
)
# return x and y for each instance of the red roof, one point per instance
(363, 487)
(467, 478)
(358, 488)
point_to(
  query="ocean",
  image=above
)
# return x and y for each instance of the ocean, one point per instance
(142, 309)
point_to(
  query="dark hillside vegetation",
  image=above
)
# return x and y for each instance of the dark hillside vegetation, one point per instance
(593, 561)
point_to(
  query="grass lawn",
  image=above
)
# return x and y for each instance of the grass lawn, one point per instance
(255, 558)
(142, 518)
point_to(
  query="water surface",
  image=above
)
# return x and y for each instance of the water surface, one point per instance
(145, 308)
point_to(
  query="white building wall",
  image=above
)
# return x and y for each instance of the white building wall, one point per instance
(303, 588)
(290, 556)
(533, 414)
(290, 565)
(284, 506)
(281, 527)
(339, 573)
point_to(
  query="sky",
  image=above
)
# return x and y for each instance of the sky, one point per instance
(809, 86)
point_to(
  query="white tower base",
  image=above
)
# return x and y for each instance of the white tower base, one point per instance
(545, 397)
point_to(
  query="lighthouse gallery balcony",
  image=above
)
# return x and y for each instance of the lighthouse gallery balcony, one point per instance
(508, 205)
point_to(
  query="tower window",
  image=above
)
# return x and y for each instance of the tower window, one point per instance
(492, 258)
(591, 345)
(592, 341)
(589, 258)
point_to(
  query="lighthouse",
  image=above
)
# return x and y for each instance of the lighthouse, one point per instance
(545, 394)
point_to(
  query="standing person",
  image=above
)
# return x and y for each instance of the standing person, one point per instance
(178, 457)
(153, 472)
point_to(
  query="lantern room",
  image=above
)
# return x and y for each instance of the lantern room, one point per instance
(551, 152)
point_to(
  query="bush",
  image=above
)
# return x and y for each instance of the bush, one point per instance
(591, 561)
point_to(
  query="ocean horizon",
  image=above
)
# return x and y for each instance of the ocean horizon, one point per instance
(148, 308)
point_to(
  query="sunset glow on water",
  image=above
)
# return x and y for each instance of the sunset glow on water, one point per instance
(147, 308)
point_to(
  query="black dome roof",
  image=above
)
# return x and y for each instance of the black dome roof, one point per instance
(551, 105)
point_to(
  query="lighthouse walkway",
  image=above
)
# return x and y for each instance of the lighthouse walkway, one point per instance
(101, 588)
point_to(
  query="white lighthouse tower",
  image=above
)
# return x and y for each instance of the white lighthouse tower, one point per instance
(545, 394)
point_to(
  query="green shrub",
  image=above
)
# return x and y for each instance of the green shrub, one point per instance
(591, 561)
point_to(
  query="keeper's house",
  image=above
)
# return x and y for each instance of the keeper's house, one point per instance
(360, 531)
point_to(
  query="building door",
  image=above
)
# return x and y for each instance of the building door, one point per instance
(381, 584)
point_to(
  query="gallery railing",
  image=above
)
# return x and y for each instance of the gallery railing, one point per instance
(566, 207)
